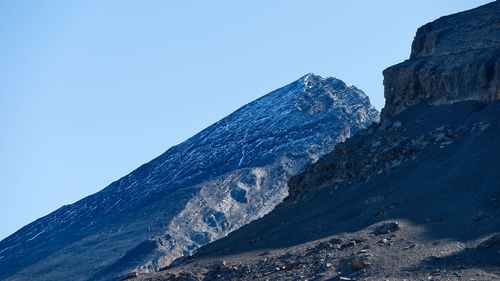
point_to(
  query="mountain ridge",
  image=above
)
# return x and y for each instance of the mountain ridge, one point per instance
(248, 156)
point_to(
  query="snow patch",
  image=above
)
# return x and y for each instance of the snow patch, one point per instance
(36, 235)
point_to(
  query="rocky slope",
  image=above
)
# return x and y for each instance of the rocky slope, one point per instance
(231, 173)
(414, 197)
(435, 215)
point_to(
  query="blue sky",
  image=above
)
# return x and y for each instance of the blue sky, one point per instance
(89, 90)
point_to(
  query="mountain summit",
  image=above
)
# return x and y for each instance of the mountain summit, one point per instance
(229, 174)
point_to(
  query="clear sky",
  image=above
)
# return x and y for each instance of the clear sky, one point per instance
(89, 90)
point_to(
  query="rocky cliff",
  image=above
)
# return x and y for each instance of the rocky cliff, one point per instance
(228, 175)
(455, 58)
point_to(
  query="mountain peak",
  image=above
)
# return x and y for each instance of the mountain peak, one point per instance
(310, 75)
(229, 174)
(310, 78)
(318, 94)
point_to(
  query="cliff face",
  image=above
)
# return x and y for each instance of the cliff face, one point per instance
(455, 58)
(231, 173)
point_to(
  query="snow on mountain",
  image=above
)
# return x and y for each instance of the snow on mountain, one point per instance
(229, 174)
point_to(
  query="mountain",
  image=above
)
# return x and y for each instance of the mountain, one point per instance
(413, 197)
(229, 174)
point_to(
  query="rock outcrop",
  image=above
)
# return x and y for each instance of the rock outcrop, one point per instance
(226, 176)
(455, 58)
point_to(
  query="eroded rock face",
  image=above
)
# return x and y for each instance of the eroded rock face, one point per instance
(455, 58)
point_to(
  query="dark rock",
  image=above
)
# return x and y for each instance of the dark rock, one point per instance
(440, 137)
(491, 242)
(431, 259)
(481, 215)
(130, 275)
(350, 244)
(335, 241)
(357, 265)
(386, 228)
(345, 148)
(388, 154)
(454, 58)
